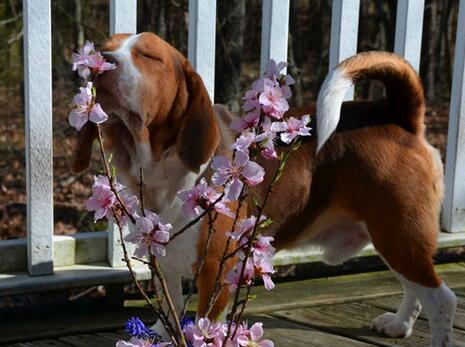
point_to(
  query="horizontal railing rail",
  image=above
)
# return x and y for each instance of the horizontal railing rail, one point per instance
(41, 252)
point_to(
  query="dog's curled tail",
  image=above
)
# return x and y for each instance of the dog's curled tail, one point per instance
(403, 88)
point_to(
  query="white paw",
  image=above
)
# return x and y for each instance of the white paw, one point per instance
(389, 324)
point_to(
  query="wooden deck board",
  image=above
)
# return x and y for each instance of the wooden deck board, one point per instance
(354, 319)
(334, 312)
(391, 303)
(86, 340)
(286, 333)
(50, 321)
(335, 289)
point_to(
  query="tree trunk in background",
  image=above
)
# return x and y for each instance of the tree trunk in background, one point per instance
(79, 40)
(229, 51)
(293, 68)
(430, 43)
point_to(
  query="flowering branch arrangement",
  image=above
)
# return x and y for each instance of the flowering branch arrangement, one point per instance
(263, 124)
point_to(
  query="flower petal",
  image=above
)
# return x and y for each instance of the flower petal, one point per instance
(97, 115)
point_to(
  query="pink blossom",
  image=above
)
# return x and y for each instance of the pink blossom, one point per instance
(233, 277)
(134, 342)
(244, 141)
(88, 61)
(85, 109)
(249, 121)
(263, 268)
(273, 102)
(244, 227)
(150, 235)
(130, 201)
(262, 246)
(199, 198)
(102, 199)
(251, 96)
(266, 140)
(292, 128)
(253, 337)
(235, 172)
(205, 333)
(273, 70)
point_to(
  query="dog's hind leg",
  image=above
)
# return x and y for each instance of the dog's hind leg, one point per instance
(408, 251)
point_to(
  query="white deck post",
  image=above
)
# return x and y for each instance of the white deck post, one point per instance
(38, 128)
(123, 19)
(344, 34)
(201, 41)
(275, 30)
(453, 213)
(123, 16)
(409, 25)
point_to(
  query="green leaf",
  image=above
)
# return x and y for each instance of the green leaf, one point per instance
(296, 145)
(255, 201)
(266, 223)
(252, 297)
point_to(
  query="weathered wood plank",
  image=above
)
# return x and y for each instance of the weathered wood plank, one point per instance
(40, 343)
(391, 303)
(353, 320)
(39, 139)
(285, 333)
(333, 290)
(201, 41)
(453, 210)
(340, 289)
(55, 320)
(86, 340)
(409, 26)
(275, 31)
(460, 292)
(114, 336)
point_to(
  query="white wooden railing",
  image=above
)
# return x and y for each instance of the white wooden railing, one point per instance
(41, 252)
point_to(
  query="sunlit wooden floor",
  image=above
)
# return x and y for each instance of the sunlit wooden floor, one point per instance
(335, 311)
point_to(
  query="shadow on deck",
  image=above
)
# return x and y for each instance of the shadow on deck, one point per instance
(335, 311)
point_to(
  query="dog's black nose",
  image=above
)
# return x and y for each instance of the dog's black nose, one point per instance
(110, 57)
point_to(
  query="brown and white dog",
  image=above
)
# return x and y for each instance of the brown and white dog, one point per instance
(370, 176)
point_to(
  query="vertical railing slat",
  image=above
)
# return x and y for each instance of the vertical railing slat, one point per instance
(201, 41)
(123, 16)
(453, 213)
(409, 25)
(123, 19)
(275, 31)
(344, 33)
(39, 140)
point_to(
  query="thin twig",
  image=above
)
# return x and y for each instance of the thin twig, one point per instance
(197, 219)
(169, 301)
(110, 177)
(211, 231)
(218, 286)
(141, 190)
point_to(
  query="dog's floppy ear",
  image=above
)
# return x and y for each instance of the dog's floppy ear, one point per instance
(83, 150)
(199, 133)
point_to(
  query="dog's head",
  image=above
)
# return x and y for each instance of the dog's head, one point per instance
(154, 97)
